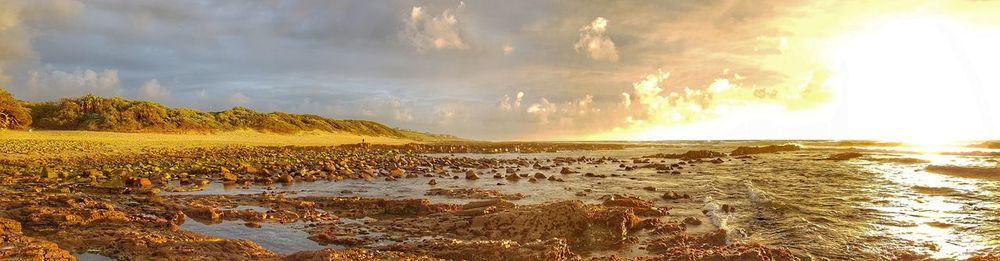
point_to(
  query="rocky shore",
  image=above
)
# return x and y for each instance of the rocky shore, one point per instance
(130, 205)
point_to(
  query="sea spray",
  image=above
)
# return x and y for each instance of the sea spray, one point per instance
(716, 215)
(757, 196)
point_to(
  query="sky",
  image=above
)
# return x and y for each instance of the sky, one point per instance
(534, 70)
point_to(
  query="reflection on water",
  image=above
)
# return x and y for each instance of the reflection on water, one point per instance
(280, 238)
(91, 257)
(940, 211)
(880, 206)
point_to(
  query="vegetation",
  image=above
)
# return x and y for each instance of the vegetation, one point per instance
(120, 115)
(13, 115)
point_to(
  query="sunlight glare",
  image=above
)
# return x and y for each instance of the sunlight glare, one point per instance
(913, 79)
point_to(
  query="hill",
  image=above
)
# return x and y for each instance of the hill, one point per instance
(95, 113)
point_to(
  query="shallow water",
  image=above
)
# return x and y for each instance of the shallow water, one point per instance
(874, 207)
(280, 238)
(91, 257)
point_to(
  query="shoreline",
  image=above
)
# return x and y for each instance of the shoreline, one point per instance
(421, 201)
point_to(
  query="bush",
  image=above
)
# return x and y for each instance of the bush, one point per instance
(117, 114)
(12, 114)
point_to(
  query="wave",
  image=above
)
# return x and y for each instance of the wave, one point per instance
(991, 173)
(757, 196)
(715, 214)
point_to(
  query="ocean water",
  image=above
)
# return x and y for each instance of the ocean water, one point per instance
(882, 205)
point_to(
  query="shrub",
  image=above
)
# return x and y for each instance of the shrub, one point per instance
(13, 115)
(117, 114)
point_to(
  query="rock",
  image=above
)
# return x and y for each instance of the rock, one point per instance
(566, 170)
(204, 213)
(650, 188)
(228, 177)
(432, 182)
(712, 246)
(16, 246)
(513, 177)
(845, 156)
(539, 176)
(640, 206)
(397, 173)
(694, 154)
(674, 196)
(692, 221)
(138, 182)
(471, 175)
(287, 178)
(353, 254)
(452, 249)
(49, 173)
(741, 151)
(94, 173)
(717, 161)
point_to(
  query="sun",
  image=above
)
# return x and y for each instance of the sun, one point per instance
(916, 79)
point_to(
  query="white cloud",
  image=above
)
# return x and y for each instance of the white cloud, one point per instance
(563, 114)
(508, 49)
(154, 91)
(656, 107)
(59, 84)
(433, 32)
(542, 110)
(506, 104)
(594, 43)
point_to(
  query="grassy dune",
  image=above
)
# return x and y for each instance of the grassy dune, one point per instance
(241, 137)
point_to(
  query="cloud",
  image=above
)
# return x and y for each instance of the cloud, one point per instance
(448, 113)
(16, 37)
(427, 32)
(506, 104)
(152, 90)
(508, 49)
(59, 84)
(542, 110)
(594, 43)
(388, 109)
(565, 115)
(239, 99)
(649, 105)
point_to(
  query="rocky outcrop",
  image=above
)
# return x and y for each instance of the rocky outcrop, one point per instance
(552, 249)
(712, 246)
(353, 254)
(475, 193)
(845, 156)
(15, 246)
(740, 151)
(690, 155)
